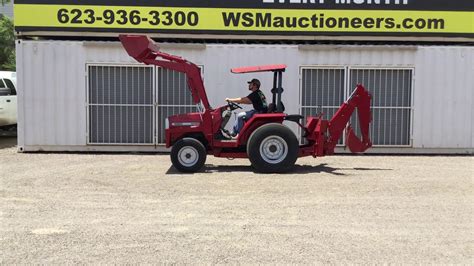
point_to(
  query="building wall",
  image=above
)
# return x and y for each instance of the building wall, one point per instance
(52, 84)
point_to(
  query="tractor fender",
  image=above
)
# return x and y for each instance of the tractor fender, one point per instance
(255, 122)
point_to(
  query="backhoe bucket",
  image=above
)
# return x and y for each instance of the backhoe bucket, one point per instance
(354, 143)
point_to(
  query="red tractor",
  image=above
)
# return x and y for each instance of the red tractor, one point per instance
(270, 145)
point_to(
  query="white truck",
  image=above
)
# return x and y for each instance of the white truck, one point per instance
(8, 100)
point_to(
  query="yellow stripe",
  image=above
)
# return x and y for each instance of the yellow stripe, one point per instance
(27, 15)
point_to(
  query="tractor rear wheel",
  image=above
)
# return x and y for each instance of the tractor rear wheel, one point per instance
(188, 155)
(273, 148)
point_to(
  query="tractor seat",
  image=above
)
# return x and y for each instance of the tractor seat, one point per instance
(294, 118)
(273, 109)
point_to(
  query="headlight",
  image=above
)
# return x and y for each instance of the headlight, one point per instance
(167, 123)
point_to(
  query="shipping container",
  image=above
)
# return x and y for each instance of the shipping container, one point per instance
(91, 96)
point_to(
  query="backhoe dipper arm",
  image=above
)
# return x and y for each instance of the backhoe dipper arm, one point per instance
(144, 50)
(360, 99)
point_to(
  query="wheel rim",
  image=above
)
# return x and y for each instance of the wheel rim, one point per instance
(188, 156)
(273, 149)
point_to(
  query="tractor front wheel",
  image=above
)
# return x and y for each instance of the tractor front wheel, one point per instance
(273, 148)
(188, 155)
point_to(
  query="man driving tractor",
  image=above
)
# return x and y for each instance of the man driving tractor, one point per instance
(256, 98)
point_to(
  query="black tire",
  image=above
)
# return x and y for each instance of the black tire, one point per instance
(273, 148)
(188, 155)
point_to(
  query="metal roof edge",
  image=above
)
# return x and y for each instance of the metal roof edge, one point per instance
(193, 46)
(311, 47)
(265, 38)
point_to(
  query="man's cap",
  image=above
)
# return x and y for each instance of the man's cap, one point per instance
(254, 81)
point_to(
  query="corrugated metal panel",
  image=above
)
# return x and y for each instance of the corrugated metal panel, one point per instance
(444, 98)
(52, 83)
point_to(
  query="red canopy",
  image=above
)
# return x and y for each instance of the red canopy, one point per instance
(252, 69)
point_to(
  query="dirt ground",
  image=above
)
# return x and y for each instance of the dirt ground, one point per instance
(135, 208)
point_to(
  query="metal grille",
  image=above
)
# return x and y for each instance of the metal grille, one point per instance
(173, 97)
(391, 104)
(120, 104)
(322, 90)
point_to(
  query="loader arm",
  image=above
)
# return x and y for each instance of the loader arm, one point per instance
(360, 99)
(144, 50)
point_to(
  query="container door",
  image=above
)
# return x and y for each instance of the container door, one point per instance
(391, 89)
(322, 91)
(120, 105)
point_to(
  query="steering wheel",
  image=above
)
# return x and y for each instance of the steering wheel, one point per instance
(233, 105)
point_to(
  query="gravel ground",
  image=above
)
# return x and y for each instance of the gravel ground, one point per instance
(115, 208)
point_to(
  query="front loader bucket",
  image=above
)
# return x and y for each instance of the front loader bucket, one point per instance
(139, 47)
(142, 48)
